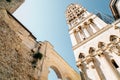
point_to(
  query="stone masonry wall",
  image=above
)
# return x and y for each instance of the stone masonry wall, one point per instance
(20, 53)
(10, 5)
(15, 58)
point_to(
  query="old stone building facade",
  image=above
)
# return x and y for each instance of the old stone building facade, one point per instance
(21, 56)
(96, 44)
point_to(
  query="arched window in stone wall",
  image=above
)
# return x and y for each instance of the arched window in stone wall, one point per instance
(91, 50)
(88, 28)
(81, 55)
(77, 36)
(114, 38)
(91, 22)
(101, 45)
(82, 33)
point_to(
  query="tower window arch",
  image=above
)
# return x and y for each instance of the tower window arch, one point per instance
(101, 45)
(81, 55)
(91, 50)
(114, 63)
(113, 38)
(90, 20)
(83, 36)
(77, 36)
(88, 28)
(93, 24)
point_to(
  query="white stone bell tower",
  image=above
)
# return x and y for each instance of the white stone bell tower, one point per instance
(94, 44)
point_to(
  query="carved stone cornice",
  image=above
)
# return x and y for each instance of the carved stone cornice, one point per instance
(114, 47)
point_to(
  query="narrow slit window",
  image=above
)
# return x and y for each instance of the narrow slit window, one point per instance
(114, 63)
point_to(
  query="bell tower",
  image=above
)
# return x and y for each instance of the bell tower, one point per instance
(10, 5)
(82, 24)
(89, 35)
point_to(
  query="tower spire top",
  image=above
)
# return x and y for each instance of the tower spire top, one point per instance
(74, 13)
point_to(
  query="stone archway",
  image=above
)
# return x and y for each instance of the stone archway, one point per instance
(23, 51)
(52, 60)
(58, 74)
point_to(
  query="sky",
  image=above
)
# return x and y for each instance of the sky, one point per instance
(46, 20)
